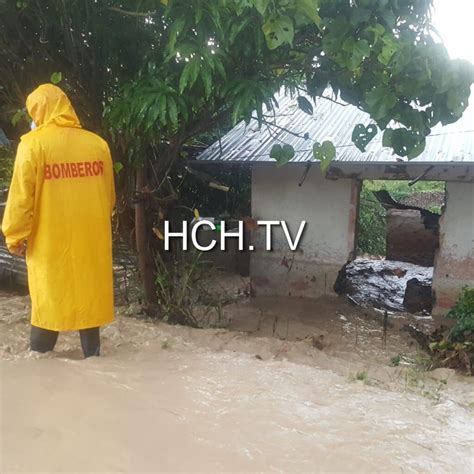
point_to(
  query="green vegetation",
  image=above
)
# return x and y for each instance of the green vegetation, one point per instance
(372, 216)
(450, 348)
(361, 376)
(371, 225)
(177, 286)
(420, 362)
(415, 372)
(463, 315)
(183, 294)
(6, 165)
(154, 76)
(401, 189)
(195, 192)
(456, 348)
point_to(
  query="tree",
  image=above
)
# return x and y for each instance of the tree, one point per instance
(166, 71)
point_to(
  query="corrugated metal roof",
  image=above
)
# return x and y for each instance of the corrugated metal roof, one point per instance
(335, 122)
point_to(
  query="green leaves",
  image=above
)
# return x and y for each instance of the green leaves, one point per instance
(463, 315)
(246, 96)
(118, 167)
(362, 135)
(310, 8)
(18, 116)
(377, 30)
(360, 15)
(358, 51)
(389, 48)
(206, 59)
(146, 109)
(325, 153)
(278, 30)
(380, 100)
(282, 154)
(190, 74)
(456, 101)
(305, 105)
(404, 142)
(261, 5)
(56, 77)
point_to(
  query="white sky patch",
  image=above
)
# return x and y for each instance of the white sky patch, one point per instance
(454, 20)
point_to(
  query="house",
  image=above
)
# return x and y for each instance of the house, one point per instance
(329, 202)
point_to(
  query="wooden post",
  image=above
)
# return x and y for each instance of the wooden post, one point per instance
(142, 236)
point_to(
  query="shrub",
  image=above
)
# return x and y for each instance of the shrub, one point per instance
(371, 225)
(7, 157)
(463, 315)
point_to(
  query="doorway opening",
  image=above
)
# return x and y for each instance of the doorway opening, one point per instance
(397, 239)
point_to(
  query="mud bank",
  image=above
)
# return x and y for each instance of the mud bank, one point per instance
(168, 398)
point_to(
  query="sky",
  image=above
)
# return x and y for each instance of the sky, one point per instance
(454, 20)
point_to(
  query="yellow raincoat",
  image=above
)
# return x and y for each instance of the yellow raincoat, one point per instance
(60, 202)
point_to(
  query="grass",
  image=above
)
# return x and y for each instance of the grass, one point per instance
(420, 362)
(415, 371)
(361, 376)
(401, 189)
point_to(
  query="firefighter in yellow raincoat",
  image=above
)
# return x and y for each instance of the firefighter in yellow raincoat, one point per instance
(59, 213)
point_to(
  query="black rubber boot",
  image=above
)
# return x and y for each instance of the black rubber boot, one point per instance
(43, 340)
(90, 342)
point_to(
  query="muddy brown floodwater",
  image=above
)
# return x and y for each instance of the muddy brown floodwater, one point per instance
(169, 398)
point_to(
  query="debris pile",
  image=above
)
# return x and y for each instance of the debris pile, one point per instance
(387, 285)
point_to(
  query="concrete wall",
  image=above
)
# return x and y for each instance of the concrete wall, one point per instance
(330, 209)
(408, 240)
(454, 266)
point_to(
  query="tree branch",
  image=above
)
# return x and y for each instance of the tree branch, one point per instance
(129, 13)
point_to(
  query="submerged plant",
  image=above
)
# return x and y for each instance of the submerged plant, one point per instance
(182, 289)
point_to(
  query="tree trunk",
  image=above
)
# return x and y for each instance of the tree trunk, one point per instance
(145, 258)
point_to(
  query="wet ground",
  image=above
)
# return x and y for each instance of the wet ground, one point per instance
(294, 385)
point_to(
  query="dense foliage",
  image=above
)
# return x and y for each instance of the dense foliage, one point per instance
(463, 315)
(371, 225)
(229, 57)
(6, 166)
(165, 71)
(455, 348)
(195, 192)
(178, 67)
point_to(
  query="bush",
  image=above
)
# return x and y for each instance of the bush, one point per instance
(371, 225)
(463, 315)
(7, 157)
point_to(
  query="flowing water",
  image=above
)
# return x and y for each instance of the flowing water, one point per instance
(177, 399)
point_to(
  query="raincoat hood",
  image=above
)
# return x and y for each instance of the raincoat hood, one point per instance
(48, 104)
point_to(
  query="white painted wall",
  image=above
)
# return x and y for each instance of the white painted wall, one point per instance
(329, 207)
(454, 266)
